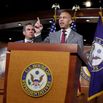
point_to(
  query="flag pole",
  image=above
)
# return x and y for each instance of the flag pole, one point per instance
(75, 8)
(55, 6)
(100, 13)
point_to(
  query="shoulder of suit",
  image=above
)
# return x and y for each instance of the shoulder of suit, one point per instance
(20, 41)
(76, 33)
(54, 33)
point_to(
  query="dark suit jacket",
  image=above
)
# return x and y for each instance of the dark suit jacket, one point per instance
(35, 39)
(74, 38)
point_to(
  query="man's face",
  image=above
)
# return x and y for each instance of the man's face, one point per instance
(64, 20)
(97, 54)
(29, 31)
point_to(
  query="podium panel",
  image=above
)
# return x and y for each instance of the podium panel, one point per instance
(63, 62)
(57, 62)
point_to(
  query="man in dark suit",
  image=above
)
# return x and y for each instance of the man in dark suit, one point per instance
(32, 32)
(71, 36)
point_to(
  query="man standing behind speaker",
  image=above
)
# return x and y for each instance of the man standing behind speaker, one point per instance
(32, 32)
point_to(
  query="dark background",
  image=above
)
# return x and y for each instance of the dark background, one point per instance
(11, 7)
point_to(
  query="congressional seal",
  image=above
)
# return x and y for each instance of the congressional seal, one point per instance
(36, 80)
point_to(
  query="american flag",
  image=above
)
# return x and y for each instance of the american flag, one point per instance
(73, 25)
(53, 26)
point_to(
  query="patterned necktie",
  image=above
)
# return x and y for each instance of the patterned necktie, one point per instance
(63, 36)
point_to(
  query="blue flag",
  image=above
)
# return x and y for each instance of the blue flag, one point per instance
(53, 26)
(95, 61)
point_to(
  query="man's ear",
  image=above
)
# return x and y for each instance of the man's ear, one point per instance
(23, 32)
(70, 21)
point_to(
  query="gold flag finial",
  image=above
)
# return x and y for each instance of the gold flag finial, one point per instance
(55, 6)
(100, 13)
(75, 8)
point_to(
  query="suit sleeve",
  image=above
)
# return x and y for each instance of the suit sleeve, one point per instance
(81, 45)
(47, 39)
(37, 39)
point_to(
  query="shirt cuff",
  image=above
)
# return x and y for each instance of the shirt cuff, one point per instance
(37, 34)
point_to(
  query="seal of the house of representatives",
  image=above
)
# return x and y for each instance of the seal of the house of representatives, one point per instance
(36, 80)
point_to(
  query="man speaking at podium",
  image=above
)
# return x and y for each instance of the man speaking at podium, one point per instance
(66, 34)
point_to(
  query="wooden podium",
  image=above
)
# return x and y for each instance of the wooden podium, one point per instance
(63, 62)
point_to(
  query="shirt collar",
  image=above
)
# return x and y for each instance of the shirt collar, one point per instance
(68, 30)
(28, 40)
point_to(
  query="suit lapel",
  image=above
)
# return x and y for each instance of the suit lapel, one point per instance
(55, 37)
(58, 36)
(23, 41)
(70, 37)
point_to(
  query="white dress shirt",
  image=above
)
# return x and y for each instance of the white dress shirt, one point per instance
(28, 40)
(67, 33)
